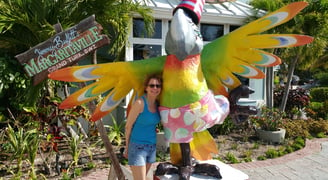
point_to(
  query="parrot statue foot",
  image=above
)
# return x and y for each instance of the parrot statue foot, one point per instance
(238, 113)
(166, 168)
(208, 170)
(185, 172)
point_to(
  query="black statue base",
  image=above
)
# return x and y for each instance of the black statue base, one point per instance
(226, 172)
(185, 172)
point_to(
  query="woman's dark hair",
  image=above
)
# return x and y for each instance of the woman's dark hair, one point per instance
(152, 76)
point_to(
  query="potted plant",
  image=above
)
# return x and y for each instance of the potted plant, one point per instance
(161, 144)
(268, 125)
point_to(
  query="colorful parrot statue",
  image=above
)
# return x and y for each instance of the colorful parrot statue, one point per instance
(199, 84)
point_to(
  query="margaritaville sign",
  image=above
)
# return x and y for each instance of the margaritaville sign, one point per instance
(63, 49)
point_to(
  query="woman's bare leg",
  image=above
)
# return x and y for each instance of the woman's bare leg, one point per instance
(148, 166)
(139, 172)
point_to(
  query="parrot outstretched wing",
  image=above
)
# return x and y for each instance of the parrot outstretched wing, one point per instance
(117, 78)
(238, 52)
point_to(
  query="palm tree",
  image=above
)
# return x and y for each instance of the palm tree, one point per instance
(311, 21)
(321, 64)
(26, 23)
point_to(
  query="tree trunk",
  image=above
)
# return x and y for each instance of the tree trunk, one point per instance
(269, 87)
(290, 74)
(104, 137)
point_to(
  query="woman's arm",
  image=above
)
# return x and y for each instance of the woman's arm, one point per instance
(136, 109)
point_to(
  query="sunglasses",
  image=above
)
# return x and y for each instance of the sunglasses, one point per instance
(154, 85)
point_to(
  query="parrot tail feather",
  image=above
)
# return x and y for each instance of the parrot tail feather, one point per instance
(202, 147)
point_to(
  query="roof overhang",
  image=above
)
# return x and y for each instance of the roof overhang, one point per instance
(220, 13)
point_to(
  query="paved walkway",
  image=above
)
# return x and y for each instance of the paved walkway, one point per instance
(309, 163)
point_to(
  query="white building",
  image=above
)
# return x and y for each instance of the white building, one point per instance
(217, 20)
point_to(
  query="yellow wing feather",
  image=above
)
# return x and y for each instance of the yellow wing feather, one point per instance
(117, 79)
(237, 52)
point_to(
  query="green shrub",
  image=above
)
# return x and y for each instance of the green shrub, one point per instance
(77, 172)
(65, 176)
(299, 143)
(256, 145)
(321, 135)
(231, 158)
(318, 126)
(261, 158)
(282, 151)
(247, 159)
(289, 149)
(317, 110)
(234, 146)
(319, 94)
(218, 158)
(272, 153)
(323, 79)
(124, 161)
(248, 154)
(305, 128)
(297, 147)
(295, 128)
(222, 129)
(91, 165)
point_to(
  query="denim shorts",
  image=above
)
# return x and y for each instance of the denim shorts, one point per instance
(140, 154)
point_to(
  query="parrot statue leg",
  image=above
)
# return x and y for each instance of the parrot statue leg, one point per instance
(188, 166)
(183, 45)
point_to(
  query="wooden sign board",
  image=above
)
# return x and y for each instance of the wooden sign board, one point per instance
(64, 49)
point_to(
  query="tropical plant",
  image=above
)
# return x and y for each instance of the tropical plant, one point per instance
(297, 99)
(116, 131)
(270, 119)
(26, 23)
(32, 149)
(310, 21)
(22, 142)
(76, 149)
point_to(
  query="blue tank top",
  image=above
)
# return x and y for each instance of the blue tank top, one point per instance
(144, 128)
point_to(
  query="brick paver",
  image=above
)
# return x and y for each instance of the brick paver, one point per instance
(309, 163)
(312, 146)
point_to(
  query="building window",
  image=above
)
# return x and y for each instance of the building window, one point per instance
(211, 32)
(233, 27)
(145, 51)
(140, 32)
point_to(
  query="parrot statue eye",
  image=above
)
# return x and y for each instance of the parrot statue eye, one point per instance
(196, 30)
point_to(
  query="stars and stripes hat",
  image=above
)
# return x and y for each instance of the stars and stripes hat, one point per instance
(194, 8)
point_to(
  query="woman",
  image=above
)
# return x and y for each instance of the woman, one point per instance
(140, 129)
